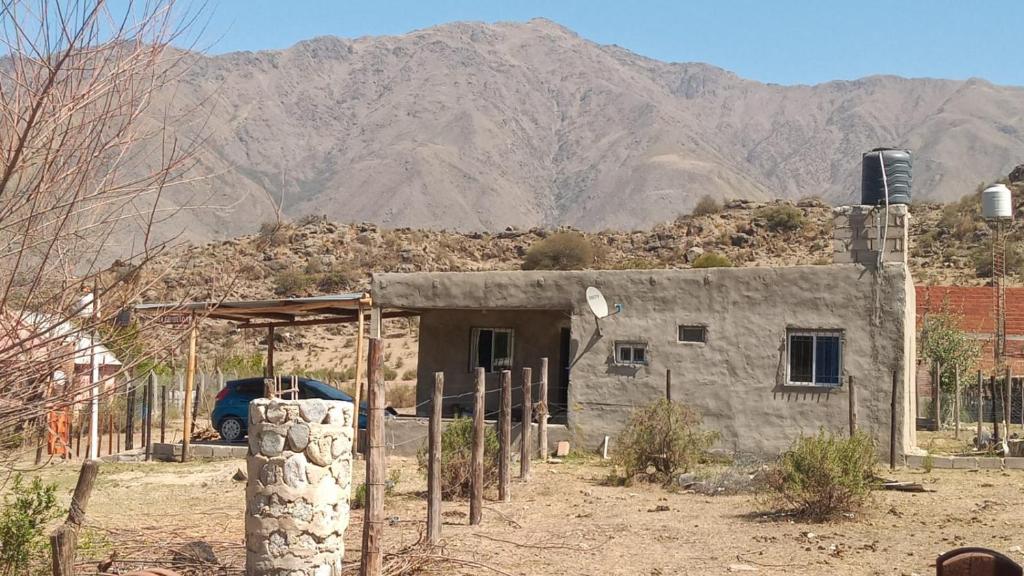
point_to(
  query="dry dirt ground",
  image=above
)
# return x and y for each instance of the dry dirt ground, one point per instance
(566, 521)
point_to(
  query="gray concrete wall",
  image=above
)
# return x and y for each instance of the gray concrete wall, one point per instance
(737, 380)
(445, 344)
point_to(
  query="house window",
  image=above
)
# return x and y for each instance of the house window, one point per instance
(815, 358)
(492, 349)
(633, 353)
(698, 334)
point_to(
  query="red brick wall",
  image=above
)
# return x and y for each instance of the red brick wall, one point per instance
(976, 306)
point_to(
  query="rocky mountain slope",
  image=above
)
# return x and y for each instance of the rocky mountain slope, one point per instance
(474, 126)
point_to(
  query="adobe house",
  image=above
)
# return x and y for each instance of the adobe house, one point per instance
(764, 354)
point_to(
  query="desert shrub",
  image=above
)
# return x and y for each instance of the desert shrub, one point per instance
(560, 251)
(390, 373)
(782, 217)
(401, 395)
(358, 500)
(456, 453)
(982, 259)
(27, 510)
(274, 233)
(823, 476)
(712, 260)
(292, 281)
(707, 206)
(409, 375)
(660, 441)
(339, 278)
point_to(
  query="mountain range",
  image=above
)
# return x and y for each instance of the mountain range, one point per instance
(474, 126)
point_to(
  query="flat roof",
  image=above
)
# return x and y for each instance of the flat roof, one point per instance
(326, 309)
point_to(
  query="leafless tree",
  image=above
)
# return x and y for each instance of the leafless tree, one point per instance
(85, 156)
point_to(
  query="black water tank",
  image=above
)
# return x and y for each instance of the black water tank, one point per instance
(897, 175)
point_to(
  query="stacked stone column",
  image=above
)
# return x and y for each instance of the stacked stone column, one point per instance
(300, 475)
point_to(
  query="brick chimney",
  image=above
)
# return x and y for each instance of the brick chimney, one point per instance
(857, 234)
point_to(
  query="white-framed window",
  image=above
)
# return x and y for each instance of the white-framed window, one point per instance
(491, 349)
(693, 333)
(631, 353)
(815, 357)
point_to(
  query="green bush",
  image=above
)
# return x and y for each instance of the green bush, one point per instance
(27, 510)
(292, 281)
(782, 217)
(358, 500)
(707, 206)
(560, 251)
(712, 260)
(456, 454)
(660, 441)
(821, 477)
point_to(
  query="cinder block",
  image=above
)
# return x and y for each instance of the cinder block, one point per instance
(990, 463)
(842, 233)
(965, 463)
(239, 451)
(914, 461)
(1013, 463)
(202, 451)
(944, 462)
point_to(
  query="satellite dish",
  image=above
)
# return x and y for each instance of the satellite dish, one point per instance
(598, 305)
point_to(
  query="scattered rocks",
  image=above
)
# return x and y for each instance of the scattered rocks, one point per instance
(298, 437)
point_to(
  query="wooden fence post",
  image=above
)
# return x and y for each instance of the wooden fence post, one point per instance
(163, 413)
(1008, 400)
(853, 407)
(892, 421)
(110, 430)
(129, 418)
(505, 436)
(937, 394)
(956, 402)
(360, 336)
(525, 438)
(197, 401)
(668, 384)
(148, 419)
(995, 414)
(476, 484)
(981, 410)
(64, 540)
(434, 463)
(373, 520)
(542, 408)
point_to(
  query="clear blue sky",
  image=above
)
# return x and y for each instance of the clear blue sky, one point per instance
(782, 41)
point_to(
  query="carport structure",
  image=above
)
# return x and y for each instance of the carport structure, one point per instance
(272, 314)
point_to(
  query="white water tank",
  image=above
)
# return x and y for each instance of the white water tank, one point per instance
(996, 203)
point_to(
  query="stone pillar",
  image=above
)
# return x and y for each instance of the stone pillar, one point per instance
(856, 237)
(300, 473)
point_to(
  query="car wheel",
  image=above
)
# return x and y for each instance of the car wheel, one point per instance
(231, 429)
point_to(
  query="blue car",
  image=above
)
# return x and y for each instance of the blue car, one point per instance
(230, 414)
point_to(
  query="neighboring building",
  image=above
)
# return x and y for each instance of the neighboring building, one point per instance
(975, 307)
(764, 354)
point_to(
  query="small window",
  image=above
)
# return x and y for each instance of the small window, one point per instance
(630, 353)
(492, 349)
(815, 358)
(698, 334)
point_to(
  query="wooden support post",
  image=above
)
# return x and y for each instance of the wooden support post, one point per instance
(981, 409)
(64, 540)
(476, 485)
(542, 408)
(937, 394)
(853, 407)
(995, 415)
(434, 463)
(163, 413)
(190, 380)
(270, 353)
(81, 429)
(118, 428)
(956, 401)
(892, 421)
(360, 335)
(148, 420)
(668, 384)
(526, 437)
(129, 418)
(110, 431)
(505, 437)
(373, 521)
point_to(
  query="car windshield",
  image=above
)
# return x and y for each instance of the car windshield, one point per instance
(328, 392)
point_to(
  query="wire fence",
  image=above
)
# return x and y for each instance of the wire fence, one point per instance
(992, 405)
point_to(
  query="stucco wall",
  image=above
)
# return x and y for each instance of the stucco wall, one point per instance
(444, 346)
(737, 380)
